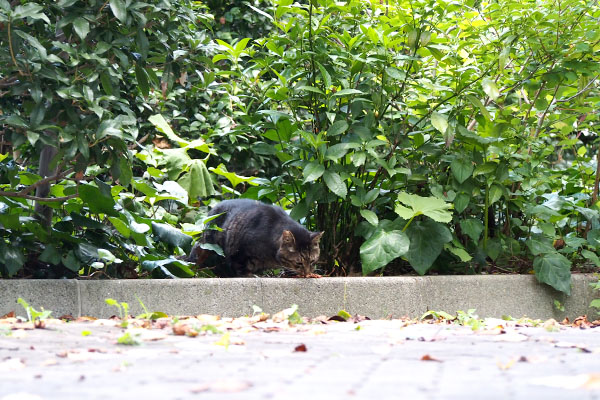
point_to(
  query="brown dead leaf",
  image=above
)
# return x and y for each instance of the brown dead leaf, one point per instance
(183, 78)
(337, 318)
(26, 326)
(180, 329)
(358, 318)
(98, 350)
(39, 324)
(10, 314)
(300, 348)
(162, 323)
(223, 386)
(85, 319)
(427, 357)
(161, 143)
(582, 322)
(67, 317)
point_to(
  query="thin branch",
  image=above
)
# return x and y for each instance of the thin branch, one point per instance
(585, 89)
(45, 180)
(36, 198)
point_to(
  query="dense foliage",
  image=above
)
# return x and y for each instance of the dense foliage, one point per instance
(452, 137)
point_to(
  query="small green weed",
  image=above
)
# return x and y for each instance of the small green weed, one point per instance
(123, 310)
(469, 319)
(32, 314)
(596, 302)
(128, 340)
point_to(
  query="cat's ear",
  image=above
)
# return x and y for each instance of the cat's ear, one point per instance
(287, 239)
(315, 237)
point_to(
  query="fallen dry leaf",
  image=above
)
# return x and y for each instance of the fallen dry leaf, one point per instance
(508, 365)
(300, 348)
(427, 357)
(10, 314)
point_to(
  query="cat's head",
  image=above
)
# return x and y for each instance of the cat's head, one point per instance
(299, 255)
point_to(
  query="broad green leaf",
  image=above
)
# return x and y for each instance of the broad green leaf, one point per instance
(593, 257)
(439, 122)
(347, 92)
(82, 27)
(313, 171)
(432, 207)
(213, 247)
(172, 236)
(370, 216)
(232, 177)
(197, 181)
(381, 249)
(485, 168)
(310, 89)
(472, 227)
(167, 268)
(339, 150)
(86, 252)
(462, 169)
(553, 269)
(241, 45)
(106, 83)
(119, 10)
(427, 239)
(490, 88)
(12, 258)
(142, 79)
(338, 127)
(335, 183)
(540, 244)
(51, 255)
(495, 192)
(477, 103)
(395, 73)
(120, 226)
(459, 252)
(33, 42)
(162, 125)
(29, 10)
(126, 174)
(96, 201)
(325, 76)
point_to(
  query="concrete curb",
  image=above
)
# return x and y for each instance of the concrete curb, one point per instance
(375, 297)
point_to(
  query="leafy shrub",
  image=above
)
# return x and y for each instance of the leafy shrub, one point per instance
(437, 136)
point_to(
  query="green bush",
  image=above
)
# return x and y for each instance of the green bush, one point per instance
(453, 137)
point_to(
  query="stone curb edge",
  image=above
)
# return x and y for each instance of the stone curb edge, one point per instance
(375, 297)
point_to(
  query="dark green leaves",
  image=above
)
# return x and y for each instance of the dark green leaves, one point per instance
(172, 236)
(381, 248)
(427, 239)
(462, 169)
(98, 202)
(554, 269)
(335, 183)
(119, 9)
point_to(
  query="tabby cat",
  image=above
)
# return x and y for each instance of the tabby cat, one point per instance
(256, 237)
